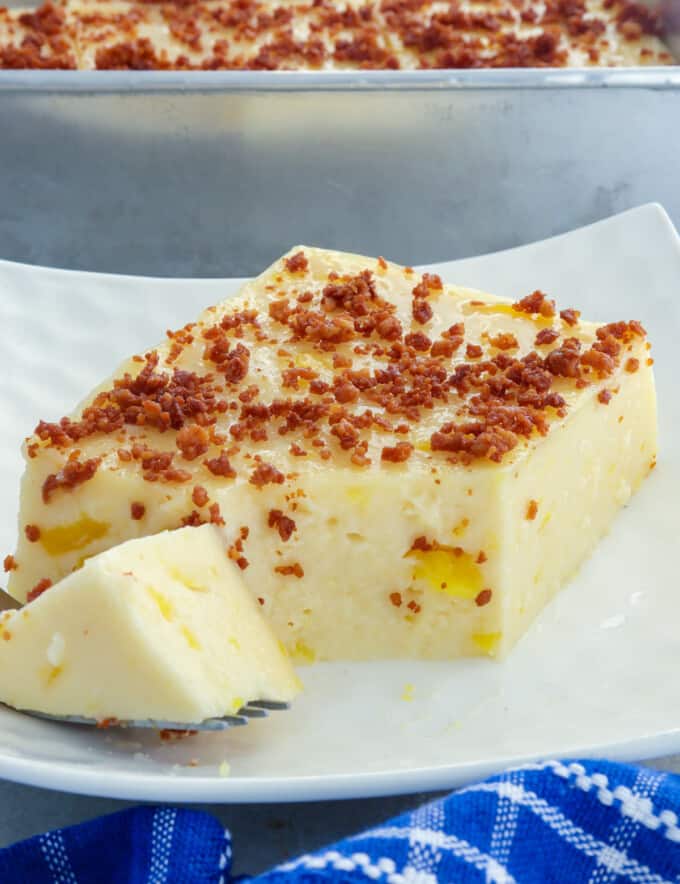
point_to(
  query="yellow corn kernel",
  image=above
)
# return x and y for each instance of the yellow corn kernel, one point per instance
(487, 641)
(456, 574)
(191, 639)
(64, 539)
(164, 605)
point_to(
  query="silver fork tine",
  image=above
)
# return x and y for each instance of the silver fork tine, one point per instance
(251, 711)
(254, 709)
(270, 705)
(209, 724)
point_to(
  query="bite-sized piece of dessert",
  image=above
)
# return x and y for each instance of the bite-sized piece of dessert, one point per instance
(158, 628)
(36, 38)
(401, 468)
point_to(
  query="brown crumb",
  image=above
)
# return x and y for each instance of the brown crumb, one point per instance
(265, 474)
(397, 453)
(418, 341)
(193, 520)
(168, 734)
(294, 570)
(546, 336)
(40, 587)
(570, 316)
(220, 466)
(504, 341)
(297, 263)
(74, 472)
(422, 311)
(283, 524)
(215, 514)
(32, 533)
(193, 441)
(536, 303)
(483, 598)
(199, 496)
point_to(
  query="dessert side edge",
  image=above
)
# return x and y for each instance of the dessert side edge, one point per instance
(501, 437)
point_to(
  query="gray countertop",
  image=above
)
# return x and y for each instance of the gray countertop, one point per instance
(263, 835)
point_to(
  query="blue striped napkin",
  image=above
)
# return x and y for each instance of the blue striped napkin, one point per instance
(588, 821)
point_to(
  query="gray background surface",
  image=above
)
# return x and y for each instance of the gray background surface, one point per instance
(142, 177)
(264, 835)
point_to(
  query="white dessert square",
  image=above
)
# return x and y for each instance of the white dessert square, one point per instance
(398, 467)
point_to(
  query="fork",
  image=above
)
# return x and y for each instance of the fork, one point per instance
(252, 709)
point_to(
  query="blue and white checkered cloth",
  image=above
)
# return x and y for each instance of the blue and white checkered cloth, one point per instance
(573, 822)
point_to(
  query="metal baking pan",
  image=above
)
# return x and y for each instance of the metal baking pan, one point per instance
(215, 174)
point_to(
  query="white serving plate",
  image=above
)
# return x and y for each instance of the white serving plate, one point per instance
(596, 675)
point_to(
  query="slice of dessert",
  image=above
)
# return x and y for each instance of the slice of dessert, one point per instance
(398, 466)
(160, 627)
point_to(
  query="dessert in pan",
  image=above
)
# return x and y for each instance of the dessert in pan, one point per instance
(329, 35)
(395, 467)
